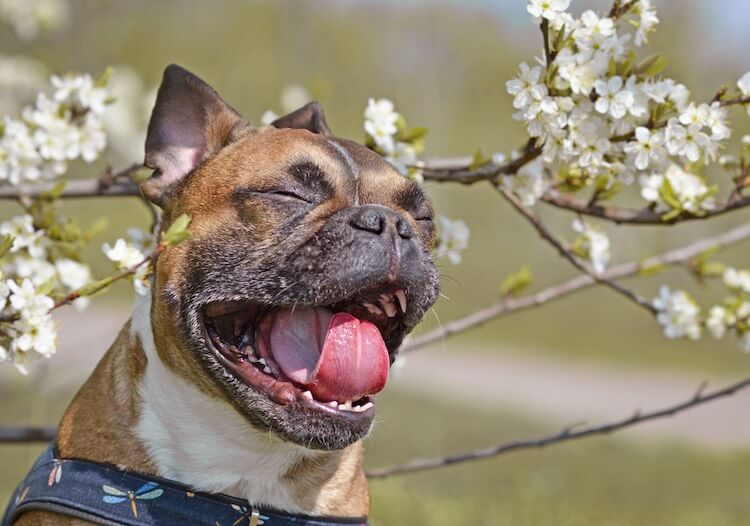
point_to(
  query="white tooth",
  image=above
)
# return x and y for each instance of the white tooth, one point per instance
(267, 370)
(401, 300)
(307, 395)
(262, 361)
(390, 309)
(346, 406)
(367, 406)
(373, 309)
(333, 404)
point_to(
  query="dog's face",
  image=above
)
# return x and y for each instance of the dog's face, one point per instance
(309, 262)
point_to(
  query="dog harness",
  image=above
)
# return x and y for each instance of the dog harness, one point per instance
(104, 494)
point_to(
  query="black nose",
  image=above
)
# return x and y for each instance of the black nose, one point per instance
(379, 220)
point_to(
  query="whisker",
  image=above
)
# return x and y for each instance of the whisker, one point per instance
(440, 328)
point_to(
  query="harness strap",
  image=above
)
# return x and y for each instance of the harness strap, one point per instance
(106, 495)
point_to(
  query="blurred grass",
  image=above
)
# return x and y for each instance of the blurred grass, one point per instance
(596, 481)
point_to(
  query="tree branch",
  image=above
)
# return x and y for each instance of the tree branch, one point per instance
(25, 434)
(108, 184)
(566, 435)
(581, 265)
(642, 216)
(511, 305)
(458, 169)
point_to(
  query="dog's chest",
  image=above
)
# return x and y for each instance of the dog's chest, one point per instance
(204, 443)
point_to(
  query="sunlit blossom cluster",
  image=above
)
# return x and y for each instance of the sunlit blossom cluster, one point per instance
(58, 128)
(453, 239)
(127, 254)
(678, 314)
(29, 275)
(606, 118)
(593, 244)
(387, 134)
(382, 125)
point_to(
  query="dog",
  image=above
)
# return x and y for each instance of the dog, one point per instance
(251, 369)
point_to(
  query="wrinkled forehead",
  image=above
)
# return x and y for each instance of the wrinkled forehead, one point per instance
(348, 167)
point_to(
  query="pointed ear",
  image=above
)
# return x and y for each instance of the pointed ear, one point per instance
(189, 124)
(308, 117)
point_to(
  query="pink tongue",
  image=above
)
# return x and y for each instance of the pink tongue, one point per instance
(337, 357)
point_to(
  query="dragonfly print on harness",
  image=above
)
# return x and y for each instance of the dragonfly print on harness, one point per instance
(148, 491)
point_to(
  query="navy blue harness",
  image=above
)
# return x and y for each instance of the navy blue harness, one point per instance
(104, 494)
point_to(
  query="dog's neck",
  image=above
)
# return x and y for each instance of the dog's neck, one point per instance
(188, 436)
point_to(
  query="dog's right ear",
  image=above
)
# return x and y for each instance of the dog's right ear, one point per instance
(189, 124)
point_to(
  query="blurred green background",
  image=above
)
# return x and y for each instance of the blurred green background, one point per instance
(444, 64)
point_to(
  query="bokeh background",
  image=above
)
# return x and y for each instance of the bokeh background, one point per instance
(590, 357)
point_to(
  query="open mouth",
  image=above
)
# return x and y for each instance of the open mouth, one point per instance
(330, 359)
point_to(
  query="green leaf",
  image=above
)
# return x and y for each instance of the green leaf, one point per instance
(479, 160)
(411, 135)
(712, 269)
(558, 40)
(102, 80)
(55, 192)
(672, 214)
(650, 270)
(651, 65)
(516, 282)
(6, 243)
(47, 287)
(96, 287)
(177, 231)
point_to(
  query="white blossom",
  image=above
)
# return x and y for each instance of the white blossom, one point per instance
(549, 9)
(744, 84)
(268, 117)
(646, 148)
(595, 244)
(688, 141)
(688, 189)
(678, 314)
(737, 279)
(25, 236)
(718, 320)
(124, 254)
(528, 184)
(38, 337)
(380, 123)
(454, 237)
(611, 99)
(28, 302)
(526, 87)
(647, 21)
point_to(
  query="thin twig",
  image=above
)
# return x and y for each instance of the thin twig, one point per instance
(108, 281)
(581, 265)
(510, 305)
(566, 435)
(26, 434)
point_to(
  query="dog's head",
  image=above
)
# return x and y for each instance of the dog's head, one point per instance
(308, 263)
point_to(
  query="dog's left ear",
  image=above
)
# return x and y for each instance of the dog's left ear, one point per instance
(189, 124)
(308, 117)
